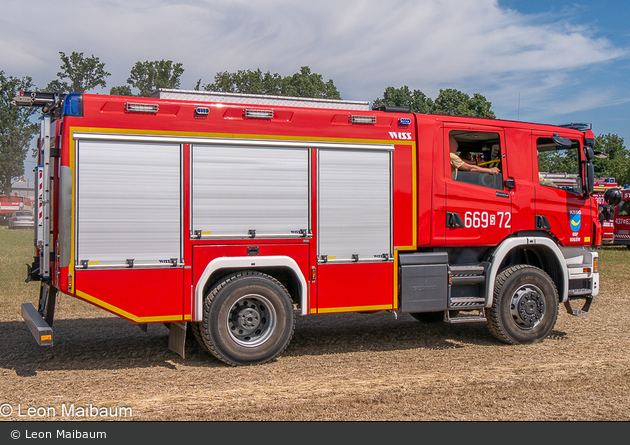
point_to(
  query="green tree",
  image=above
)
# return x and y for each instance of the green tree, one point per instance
(16, 129)
(307, 84)
(617, 164)
(301, 84)
(148, 76)
(415, 100)
(246, 82)
(124, 90)
(78, 74)
(449, 102)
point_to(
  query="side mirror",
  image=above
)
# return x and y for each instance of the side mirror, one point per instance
(589, 177)
(590, 154)
(612, 197)
(561, 141)
(600, 155)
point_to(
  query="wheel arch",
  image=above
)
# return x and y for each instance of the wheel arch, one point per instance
(275, 266)
(538, 251)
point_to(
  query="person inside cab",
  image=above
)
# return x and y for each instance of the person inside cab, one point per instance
(457, 163)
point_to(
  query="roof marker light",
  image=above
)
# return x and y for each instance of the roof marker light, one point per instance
(73, 105)
(368, 120)
(141, 108)
(249, 113)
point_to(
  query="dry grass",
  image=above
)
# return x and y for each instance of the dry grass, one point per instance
(338, 366)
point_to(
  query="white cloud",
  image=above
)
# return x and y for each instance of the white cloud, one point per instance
(363, 45)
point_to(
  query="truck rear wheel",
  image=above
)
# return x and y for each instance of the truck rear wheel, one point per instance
(525, 305)
(247, 319)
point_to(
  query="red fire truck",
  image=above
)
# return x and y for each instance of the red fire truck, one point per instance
(606, 211)
(247, 210)
(10, 204)
(622, 220)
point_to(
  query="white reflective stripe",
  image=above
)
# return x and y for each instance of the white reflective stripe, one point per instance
(248, 262)
(506, 246)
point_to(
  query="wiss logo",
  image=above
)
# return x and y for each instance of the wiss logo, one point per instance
(399, 135)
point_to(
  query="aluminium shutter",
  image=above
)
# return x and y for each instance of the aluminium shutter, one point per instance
(129, 203)
(236, 189)
(354, 188)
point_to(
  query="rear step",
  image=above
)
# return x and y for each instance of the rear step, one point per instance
(37, 325)
(465, 318)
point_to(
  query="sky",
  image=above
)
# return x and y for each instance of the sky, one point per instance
(547, 61)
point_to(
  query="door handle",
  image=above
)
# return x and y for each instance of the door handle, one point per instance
(454, 220)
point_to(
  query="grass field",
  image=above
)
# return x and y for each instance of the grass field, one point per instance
(337, 367)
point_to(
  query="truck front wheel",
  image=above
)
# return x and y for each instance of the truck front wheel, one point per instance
(247, 319)
(525, 305)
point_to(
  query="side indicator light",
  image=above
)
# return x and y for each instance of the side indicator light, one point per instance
(141, 108)
(363, 120)
(249, 113)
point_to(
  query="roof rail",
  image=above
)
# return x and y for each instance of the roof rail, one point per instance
(582, 126)
(259, 99)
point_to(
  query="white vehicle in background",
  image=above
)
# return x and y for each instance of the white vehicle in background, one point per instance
(21, 219)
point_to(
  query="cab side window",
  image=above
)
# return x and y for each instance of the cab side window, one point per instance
(559, 166)
(475, 158)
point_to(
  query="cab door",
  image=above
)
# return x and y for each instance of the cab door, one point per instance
(561, 207)
(478, 206)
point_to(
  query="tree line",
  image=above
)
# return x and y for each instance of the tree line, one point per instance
(80, 74)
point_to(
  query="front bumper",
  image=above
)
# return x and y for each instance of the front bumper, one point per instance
(583, 280)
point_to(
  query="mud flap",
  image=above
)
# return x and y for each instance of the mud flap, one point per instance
(177, 337)
(579, 312)
(47, 300)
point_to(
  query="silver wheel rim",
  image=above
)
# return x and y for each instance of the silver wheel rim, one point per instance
(527, 306)
(251, 320)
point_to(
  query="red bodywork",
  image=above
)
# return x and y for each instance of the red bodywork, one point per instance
(622, 220)
(423, 193)
(10, 204)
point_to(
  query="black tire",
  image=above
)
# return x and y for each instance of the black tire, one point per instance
(247, 319)
(428, 317)
(196, 327)
(525, 305)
